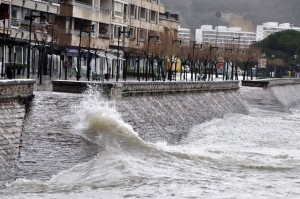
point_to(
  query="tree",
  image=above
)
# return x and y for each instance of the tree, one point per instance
(284, 45)
(249, 58)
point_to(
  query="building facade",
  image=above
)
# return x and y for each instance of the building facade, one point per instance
(268, 28)
(90, 27)
(222, 36)
(184, 35)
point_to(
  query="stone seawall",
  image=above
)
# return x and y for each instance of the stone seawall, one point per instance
(167, 110)
(13, 96)
(124, 89)
(266, 83)
(288, 95)
(170, 117)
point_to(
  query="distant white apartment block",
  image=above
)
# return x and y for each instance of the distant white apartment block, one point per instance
(268, 28)
(184, 35)
(223, 35)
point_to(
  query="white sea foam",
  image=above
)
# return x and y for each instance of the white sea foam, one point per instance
(97, 114)
(238, 156)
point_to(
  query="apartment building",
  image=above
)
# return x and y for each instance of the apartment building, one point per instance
(91, 24)
(223, 35)
(15, 29)
(184, 35)
(268, 28)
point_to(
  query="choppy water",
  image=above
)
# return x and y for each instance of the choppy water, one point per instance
(238, 156)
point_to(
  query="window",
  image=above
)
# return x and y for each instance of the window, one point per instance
(116, 31)
(142, 34)
(143, 14)
(14, 12)
(132, 11)
(118, 9)
(132, 32)
(153, 16)
(19, 53)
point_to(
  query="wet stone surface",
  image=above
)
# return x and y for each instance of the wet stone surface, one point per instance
(170, 117)
(48, 144)
(11, 120)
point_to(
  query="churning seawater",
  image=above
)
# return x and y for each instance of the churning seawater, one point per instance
(238, 156)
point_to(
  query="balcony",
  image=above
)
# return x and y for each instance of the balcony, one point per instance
(40, 5)
(82, 4)
(104, 36)
(85, 11)
(97, 43)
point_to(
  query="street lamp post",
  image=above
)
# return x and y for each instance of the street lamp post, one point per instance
(79, 55)
(225, 73)
(218, 14)
(118, 50)
(171, 59)
(31, 17)
(295, 57)
(43, 46)
(237, 54)
(3, 49)
(51, 50)
(193, 60)
(78, 76)
(211, 67)
(148, 50)
(88, 74)
(273, 57)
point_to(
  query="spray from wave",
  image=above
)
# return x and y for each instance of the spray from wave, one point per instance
(97, 114)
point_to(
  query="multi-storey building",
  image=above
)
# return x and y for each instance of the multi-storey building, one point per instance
(88, 25)
(222, 36)
(16, 32)
(184, 35)
(268, 28)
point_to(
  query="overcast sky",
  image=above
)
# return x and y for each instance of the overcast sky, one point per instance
(249, 13)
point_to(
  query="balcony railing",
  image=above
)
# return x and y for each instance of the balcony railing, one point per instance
(105, 11)
(82, 4)
(18, 23)
(77, 33)
(48, 1)
(104, 36)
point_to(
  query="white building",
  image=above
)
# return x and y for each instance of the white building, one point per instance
(223, 35)
(268, 28)
(184, 35)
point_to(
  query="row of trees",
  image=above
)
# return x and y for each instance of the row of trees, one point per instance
(202, 59)
(279, 50)
(164, 57)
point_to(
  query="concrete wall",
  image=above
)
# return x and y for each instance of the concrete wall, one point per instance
(270, 82)
(11, 89)
(125, 89)
(166, 110)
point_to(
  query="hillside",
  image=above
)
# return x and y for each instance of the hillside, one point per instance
(244, 13)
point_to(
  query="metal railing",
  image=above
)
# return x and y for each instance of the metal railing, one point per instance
(105, 11)
(104, 36)
(82, 4)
